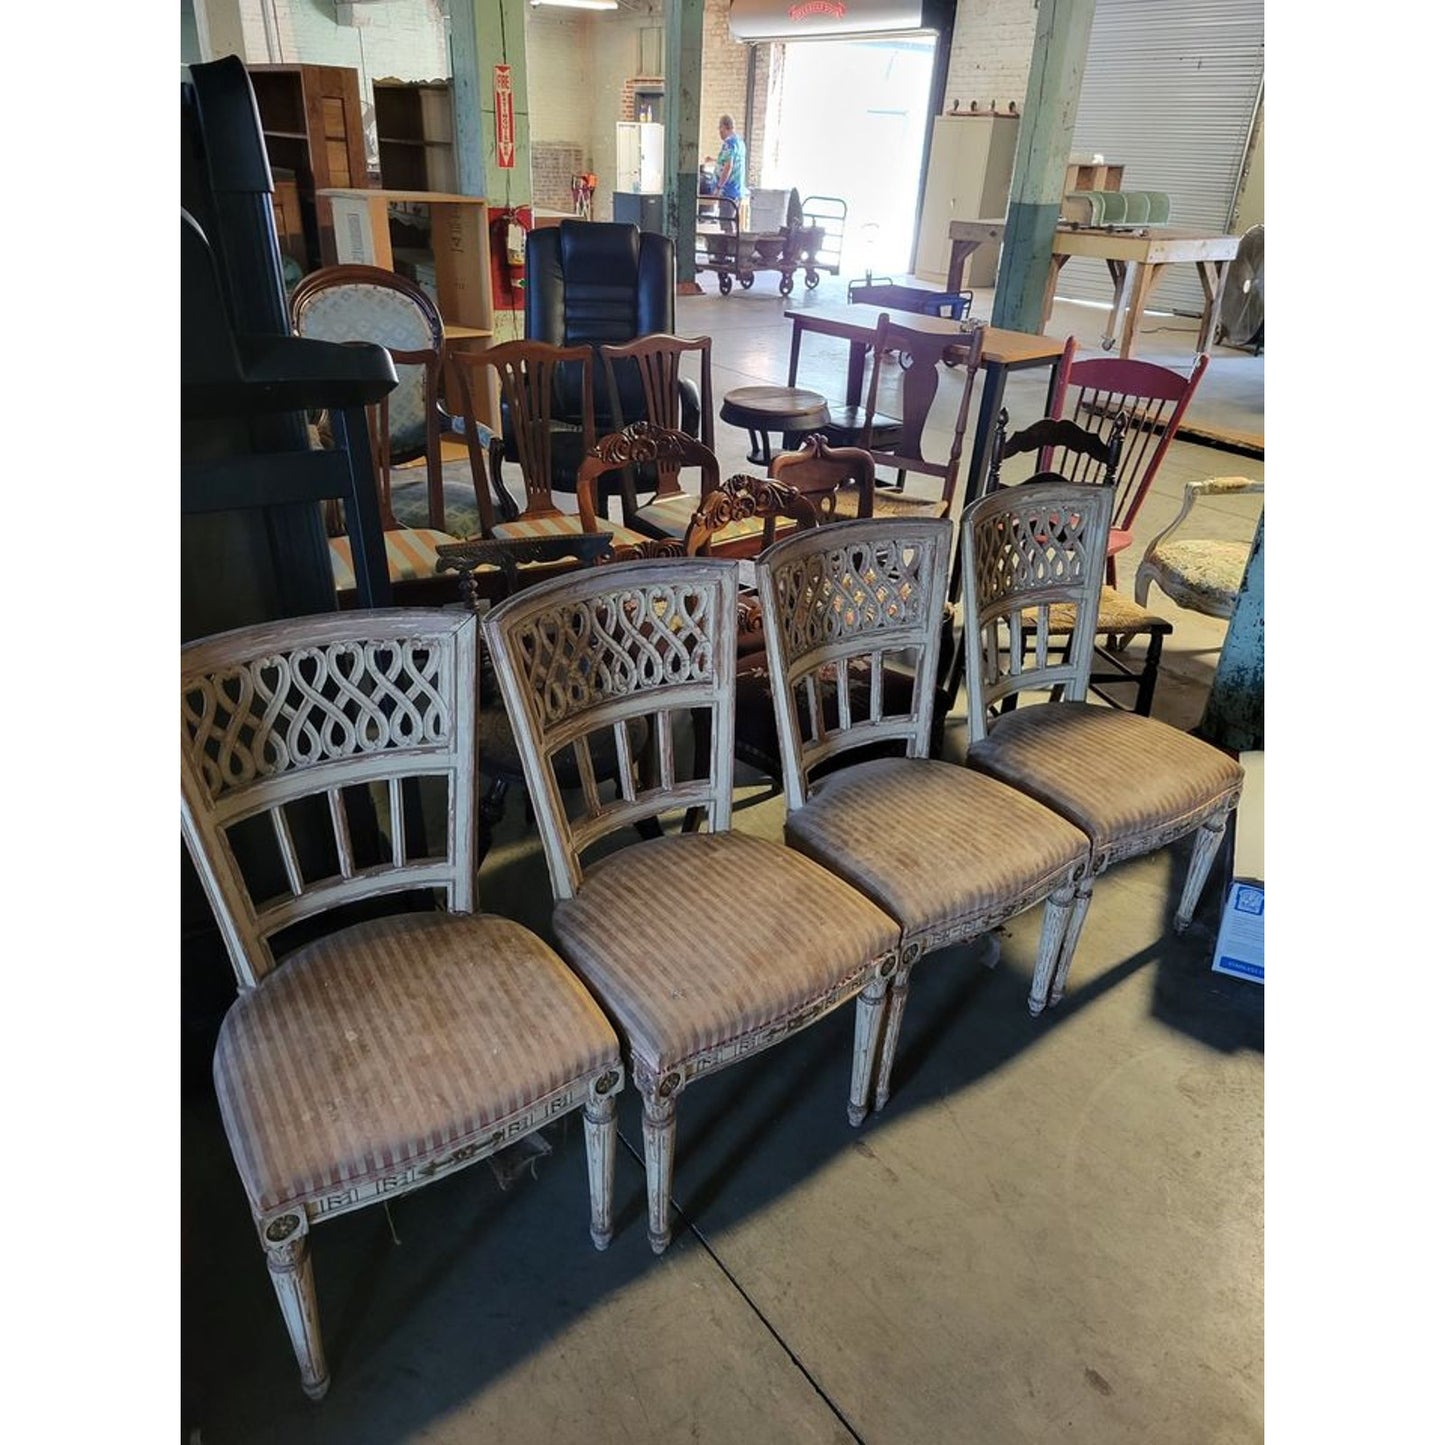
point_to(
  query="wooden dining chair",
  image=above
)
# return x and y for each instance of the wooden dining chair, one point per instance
(925, 358)
(949, 853)
(704, 947)
(1131, 784)
(361, 1063)
(1152, 400)
(645, 382)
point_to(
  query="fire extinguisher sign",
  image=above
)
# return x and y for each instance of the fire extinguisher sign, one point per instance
(506, 127)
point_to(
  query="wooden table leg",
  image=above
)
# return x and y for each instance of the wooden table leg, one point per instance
(1211, 277)
(1147, 274)
(793, 353)
(1051, 285)
(857, 350)
(1121, 273)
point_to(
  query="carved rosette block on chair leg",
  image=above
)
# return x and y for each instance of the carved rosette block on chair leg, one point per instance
(287, 1243)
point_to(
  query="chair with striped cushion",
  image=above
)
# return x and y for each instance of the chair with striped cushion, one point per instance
(1132, 784)
(948, 853)
(704, 947)
(366, 1061)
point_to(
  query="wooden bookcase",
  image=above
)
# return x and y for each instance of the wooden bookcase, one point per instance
(414, 135)
(311, 121)
(459, 252)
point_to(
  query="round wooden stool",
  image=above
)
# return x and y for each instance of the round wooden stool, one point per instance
(763, 409)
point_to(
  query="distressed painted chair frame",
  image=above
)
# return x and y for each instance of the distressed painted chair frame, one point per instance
(1154, 565)
(825, 610)
(1028, 549)
(555, 704)
(306, 709)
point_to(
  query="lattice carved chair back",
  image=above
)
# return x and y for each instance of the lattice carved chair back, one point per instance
(824, 473)
(528, 376)
(297, 729)
(1027, 550)
(580, 658)
(843, 607)
(923, 357)
(1153, 401)
(652, 366)
(367, 303)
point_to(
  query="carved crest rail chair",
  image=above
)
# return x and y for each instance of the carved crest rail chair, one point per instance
(703, 947)
(1131, 784)
(949, 853)
(368, 1061)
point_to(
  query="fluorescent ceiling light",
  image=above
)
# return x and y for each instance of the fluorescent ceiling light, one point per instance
(578, 4)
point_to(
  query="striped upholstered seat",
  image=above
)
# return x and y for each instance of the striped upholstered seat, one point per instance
(1130, 783)
(949, 853)
(411, 556)
(315, 1080)
(563, 524)
(674, 992)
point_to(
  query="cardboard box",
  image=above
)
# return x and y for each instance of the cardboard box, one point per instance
(1239, 949)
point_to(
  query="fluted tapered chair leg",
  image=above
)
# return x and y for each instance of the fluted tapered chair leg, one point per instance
(893, 1023)
(1083, 896)
(1201, 857)
(288, 1257)
(599, 1116)
(659, 1142)
(1057, 912)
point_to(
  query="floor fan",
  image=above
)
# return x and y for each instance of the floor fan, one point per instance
(1241, 309)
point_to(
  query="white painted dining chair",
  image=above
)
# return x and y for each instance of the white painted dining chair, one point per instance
(370, 1060)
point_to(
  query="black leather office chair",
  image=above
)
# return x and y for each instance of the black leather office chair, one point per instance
(598, 283)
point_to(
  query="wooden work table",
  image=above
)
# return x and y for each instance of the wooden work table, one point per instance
(1003, 352)
(1134, 259)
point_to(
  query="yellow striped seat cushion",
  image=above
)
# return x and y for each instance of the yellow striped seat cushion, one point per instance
(393, 1042)
(697, 939)
(1131, 783)
(672, 516)
(411, 554)
(948, 852)
(558, 524)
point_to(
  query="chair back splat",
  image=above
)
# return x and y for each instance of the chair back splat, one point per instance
(1152, 399)
(1028, 549)
(327, 717)
(842, 606)
(585, 655)
(922, 355)
(1067, 452)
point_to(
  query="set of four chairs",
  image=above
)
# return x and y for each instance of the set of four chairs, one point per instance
(330, 761)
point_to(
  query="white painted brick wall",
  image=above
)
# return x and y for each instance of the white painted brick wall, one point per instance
(993, 42)
(560, 75)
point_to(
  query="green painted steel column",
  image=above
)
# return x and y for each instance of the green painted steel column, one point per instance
(682, 100)
(1046, 133)
(485, 34)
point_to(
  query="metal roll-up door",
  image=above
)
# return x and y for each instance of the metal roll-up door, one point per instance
(1170, 91)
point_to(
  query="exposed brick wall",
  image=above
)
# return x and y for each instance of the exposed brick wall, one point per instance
(993, 43)
(553, 166)
(560, 76)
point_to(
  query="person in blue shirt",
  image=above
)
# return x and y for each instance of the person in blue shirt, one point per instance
(732, 169)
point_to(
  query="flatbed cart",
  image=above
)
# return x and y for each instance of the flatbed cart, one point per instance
(810, 242)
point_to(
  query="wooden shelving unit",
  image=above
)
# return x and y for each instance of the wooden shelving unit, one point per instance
(1093, 178)
(459, 252)
(311, 121)
(415, 136)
